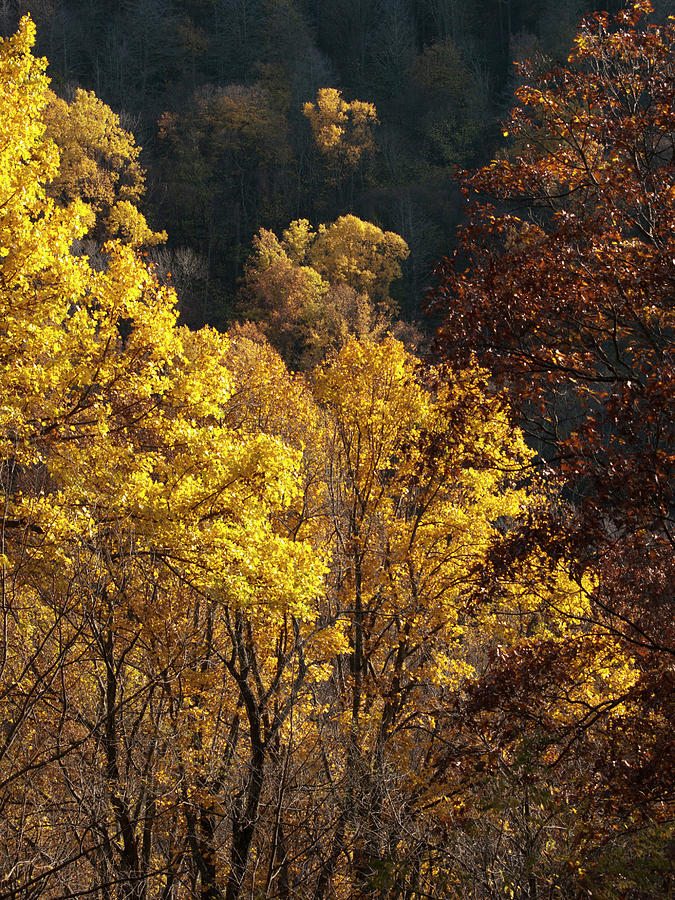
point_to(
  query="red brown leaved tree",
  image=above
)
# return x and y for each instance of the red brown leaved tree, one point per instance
(564, 287)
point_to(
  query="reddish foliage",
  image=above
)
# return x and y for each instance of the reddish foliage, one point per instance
(565, 292)
(568, 299)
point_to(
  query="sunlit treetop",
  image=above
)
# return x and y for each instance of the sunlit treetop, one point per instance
(343, 131)
(99, 164)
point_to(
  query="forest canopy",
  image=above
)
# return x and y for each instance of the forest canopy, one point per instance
(292, 610)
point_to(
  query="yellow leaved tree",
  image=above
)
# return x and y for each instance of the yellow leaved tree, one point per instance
(360, 255)
(140, 557)
(343, 131)
(309, 291)
(99, 164)
(422, 483)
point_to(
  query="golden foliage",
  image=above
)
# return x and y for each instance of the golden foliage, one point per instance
(361, 255)
(99, 164)
(311, 290)
(133, 514)
(343, 131)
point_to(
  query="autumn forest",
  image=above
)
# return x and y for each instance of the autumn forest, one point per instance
(336, 422)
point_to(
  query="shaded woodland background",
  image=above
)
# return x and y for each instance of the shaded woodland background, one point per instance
(233, 76)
